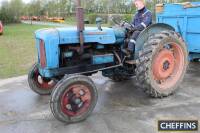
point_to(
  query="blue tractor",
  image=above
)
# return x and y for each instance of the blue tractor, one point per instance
(67, 56)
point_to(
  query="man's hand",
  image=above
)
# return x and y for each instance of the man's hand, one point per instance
(127, 26)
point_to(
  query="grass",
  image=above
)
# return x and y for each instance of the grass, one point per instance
(17, 49)
(71, 20)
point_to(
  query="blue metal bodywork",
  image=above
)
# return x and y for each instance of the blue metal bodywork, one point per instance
(101, 59)
(186, 21)
(56, 37)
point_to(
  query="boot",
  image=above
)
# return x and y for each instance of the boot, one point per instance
(127, 52)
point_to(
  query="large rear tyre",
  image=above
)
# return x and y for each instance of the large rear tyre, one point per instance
(73, 99)
(162, 64)
(39, 84)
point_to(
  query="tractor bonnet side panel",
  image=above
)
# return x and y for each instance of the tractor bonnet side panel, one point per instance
(69, 36)
(185, 18)
(51, 43)
(91, 35)
(56, 38)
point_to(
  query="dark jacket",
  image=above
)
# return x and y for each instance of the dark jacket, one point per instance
(142, 19)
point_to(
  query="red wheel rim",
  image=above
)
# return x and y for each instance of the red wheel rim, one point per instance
(42, 82)
(76, 100)
(168, 65)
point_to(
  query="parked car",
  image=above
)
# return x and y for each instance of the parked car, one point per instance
(1, 28)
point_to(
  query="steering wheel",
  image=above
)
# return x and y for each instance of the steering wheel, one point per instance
(126, 25)
(122, 23)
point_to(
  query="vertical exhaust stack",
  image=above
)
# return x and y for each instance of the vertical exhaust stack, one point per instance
(80, 24)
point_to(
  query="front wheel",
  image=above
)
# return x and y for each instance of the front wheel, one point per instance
(39, 84)
(73, 99)
(162, 64)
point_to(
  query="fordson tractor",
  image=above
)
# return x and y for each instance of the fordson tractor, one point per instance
(1, 28)
(67, 56)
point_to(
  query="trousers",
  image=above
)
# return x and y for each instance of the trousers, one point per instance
(132, 42)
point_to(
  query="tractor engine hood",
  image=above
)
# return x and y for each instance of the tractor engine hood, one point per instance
(55, 37)
(70, 35)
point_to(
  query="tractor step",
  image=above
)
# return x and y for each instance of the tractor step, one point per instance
(130, 62)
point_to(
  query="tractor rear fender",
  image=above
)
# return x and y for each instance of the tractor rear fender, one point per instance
(155, 28)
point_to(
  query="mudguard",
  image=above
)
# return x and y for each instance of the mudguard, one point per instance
(145, 34)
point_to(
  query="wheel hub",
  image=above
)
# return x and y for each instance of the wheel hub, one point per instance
(166, 65)
(76, 100)
(75, 103)
(163, 64)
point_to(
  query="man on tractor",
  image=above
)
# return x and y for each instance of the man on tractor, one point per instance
(141, 20)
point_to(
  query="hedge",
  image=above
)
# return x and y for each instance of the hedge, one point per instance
(107, 18)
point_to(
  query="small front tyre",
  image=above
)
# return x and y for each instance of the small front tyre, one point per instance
(73, 99)
(39, 84)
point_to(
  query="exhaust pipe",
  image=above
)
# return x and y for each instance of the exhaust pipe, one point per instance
(80, 25)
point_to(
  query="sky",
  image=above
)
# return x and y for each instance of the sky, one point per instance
(26, 1)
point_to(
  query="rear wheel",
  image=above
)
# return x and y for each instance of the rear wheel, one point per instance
(39, 84)
(162, 64)
(73, 99)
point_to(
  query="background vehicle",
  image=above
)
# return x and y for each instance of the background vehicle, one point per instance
(56, 19)
(67, 56)
(185, 18)
(1, 28)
